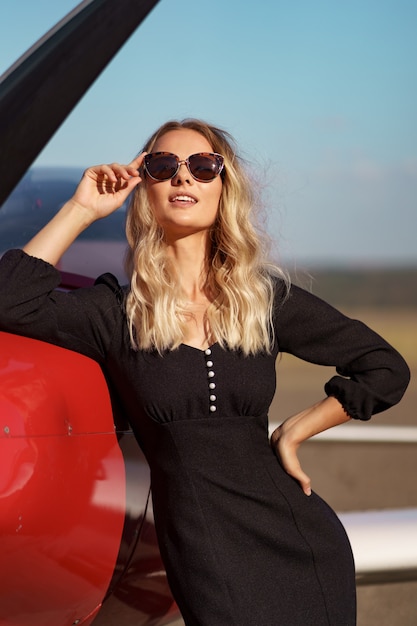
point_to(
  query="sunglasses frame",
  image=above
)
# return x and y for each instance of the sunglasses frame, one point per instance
(219, 160)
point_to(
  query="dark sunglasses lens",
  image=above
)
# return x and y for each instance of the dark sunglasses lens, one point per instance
(161, 166)
(205, 167)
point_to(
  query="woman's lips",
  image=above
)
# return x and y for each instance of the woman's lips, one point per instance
(182, 199)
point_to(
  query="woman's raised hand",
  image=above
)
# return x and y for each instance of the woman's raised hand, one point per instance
(104, 188)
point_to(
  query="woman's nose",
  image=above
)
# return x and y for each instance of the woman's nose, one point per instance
(183, 175)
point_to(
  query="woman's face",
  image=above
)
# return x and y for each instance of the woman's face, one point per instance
(183, 205)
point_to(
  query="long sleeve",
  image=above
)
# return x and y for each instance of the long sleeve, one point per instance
(30, 304)
(371, 374)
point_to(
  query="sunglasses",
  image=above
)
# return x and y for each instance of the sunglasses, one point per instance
(203, 166)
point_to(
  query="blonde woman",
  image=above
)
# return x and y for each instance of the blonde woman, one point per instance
(190, 349)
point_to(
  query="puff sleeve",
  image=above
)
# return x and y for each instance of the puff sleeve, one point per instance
(84, 320)
(371, 374)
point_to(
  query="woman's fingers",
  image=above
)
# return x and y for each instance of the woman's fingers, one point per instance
(115, 171)
(137, 162)
(287, 454)
(112, 173)
(292, 466)
(104, 188)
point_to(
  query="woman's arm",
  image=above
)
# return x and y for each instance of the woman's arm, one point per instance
(102, 190)
(287, 438)
(83, 320)
(371, 374)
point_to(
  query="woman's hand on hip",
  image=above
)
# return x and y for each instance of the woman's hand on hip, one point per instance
(287, 438)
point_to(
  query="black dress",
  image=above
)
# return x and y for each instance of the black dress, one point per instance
(241, 543)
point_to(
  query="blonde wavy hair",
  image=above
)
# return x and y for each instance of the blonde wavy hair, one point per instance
(238, 277)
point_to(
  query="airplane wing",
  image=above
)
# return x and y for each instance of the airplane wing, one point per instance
(40, 90)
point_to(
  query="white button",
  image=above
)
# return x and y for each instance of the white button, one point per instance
(209, 363)
(212, 385)
(208, 351)
(213, 408)
(210, 374)
(212, 398)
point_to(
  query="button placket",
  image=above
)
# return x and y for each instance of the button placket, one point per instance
(211, 383)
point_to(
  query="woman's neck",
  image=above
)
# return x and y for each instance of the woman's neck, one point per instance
(189, 258)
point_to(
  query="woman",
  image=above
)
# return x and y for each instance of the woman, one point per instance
(189, 349)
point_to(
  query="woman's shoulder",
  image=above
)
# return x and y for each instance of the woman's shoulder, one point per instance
(113, 286)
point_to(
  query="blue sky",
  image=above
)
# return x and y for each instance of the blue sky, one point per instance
(321, 97)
